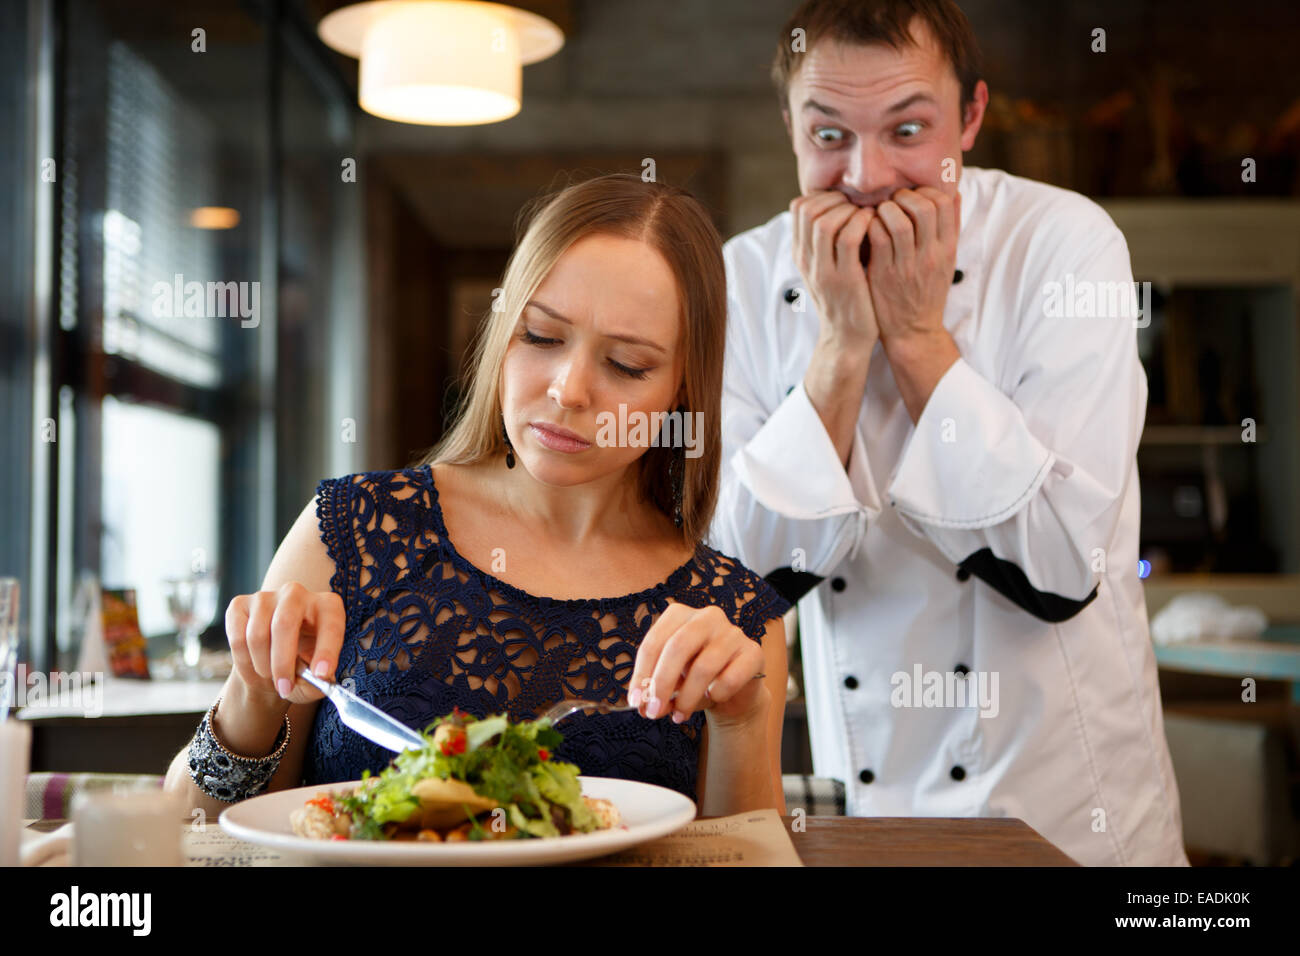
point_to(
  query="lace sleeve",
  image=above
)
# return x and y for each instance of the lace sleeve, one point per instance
(335, 523)
(750, 602)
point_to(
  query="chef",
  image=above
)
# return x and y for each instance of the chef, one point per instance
(937, 453)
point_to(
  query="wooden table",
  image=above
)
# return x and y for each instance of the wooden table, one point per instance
(922, 841)
(897, 841)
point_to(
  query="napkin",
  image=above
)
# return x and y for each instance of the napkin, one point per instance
(47, 849)
(1205, 617)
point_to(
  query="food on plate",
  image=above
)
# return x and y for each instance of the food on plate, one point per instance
(474, 779)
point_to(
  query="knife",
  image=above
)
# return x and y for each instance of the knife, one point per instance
(363, 717)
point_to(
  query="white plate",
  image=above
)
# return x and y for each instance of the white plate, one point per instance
(648, 812)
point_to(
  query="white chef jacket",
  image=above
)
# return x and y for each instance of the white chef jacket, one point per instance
(998, 535)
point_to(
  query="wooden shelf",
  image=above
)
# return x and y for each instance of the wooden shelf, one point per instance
(1197, 435)
(1203, 242)
(1277, 595)
(1274, 656)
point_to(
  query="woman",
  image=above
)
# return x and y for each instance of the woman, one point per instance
(537, 553)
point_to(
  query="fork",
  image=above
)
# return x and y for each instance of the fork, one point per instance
(566, 708)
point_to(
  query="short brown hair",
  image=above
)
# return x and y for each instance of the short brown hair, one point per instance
(677, 226)
(880, 21)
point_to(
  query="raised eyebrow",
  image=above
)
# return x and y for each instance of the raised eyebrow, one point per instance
(896, 108)
(914, 98)
(632, 339)
(811, 104)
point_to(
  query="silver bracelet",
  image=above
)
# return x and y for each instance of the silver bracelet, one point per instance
(227, 776)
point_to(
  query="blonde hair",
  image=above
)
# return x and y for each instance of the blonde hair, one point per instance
(675, 225)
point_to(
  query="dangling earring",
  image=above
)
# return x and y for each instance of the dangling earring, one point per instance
(677, 475)
(510, 449)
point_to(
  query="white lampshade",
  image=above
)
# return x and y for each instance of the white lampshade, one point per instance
(440, 62)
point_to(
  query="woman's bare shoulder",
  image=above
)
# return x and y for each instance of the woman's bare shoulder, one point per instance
(302, 556)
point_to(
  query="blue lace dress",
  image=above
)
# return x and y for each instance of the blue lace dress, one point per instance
(428, 631)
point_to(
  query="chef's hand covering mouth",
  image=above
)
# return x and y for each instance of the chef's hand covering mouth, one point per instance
(864, 251)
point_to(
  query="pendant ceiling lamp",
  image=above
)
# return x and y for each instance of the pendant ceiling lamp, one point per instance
(440, 62)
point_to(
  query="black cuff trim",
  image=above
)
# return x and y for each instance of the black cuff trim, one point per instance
(792, 584)
(1008, 580)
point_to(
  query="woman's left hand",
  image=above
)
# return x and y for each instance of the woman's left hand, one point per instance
(706, 659)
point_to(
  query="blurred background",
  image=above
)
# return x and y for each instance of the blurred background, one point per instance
(142, 448)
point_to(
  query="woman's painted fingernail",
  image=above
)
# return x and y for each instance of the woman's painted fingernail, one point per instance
(634, 697)
(322, 669)
(678, 717)
(653, 709)
(283, 686)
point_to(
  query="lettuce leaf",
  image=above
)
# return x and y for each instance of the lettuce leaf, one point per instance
(501, 761)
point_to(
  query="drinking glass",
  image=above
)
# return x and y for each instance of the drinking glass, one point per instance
(192, 602)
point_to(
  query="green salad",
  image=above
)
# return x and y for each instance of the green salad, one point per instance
(508, 765)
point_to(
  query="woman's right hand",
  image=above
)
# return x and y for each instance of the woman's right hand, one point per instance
(268, 632)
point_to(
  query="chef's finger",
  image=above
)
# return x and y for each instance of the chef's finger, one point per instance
(804, 210)
(946, 212)
(901, 233)
(825, 229)
(813, 205)
(848, 244)
(923, 212)
(796, 225)
(882, 246)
